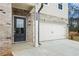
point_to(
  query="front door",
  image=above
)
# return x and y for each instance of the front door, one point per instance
(19, 29)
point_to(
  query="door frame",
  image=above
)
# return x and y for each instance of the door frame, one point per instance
(13, 27)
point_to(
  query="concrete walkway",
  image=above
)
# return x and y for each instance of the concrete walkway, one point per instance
(62, 47)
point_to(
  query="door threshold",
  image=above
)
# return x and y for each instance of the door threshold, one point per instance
(19, 42)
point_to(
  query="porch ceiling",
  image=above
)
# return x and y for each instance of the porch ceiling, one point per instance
(25, 6)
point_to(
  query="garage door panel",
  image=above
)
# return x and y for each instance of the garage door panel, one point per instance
(52, 31)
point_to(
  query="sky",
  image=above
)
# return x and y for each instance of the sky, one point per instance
(72, 6)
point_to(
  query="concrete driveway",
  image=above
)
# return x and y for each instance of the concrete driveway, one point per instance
(63, 47)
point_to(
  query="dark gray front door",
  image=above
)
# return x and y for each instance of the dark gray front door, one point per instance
(19, 29)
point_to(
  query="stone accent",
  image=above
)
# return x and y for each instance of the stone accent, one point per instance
(5, 26)
(30, 28)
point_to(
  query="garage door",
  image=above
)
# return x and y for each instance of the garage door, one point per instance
(52, 31)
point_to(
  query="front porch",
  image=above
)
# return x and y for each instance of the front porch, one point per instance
(23, 11)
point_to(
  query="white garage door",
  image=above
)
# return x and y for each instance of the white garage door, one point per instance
(52, 31)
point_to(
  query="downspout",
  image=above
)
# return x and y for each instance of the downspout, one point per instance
(39, 23)
(40, 8)
(42, 5)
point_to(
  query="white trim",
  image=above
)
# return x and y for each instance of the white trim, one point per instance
(13, 26)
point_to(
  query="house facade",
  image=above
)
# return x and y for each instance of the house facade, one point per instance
(53, 22)
(22, 22)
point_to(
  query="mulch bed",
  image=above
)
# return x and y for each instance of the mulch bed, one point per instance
(5, 52)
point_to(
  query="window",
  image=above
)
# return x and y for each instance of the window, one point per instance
(60, 6)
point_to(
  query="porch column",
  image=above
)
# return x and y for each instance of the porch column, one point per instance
(36, 26)
(36, 29)
(38, 8)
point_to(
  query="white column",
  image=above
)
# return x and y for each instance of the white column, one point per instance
(37, 18)
(36, 32)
